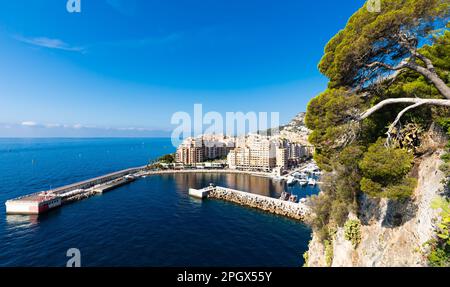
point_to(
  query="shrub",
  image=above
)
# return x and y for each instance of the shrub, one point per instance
(305, 258)
(339, 212)
(386, 164)
(352, 231)
(384, 172)
(440, 246)
(445, 123)
(402, 190)
(168, 158)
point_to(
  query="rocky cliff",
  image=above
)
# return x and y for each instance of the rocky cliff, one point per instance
(392, 233)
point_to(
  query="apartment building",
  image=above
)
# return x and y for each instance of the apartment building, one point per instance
(255, 153)
(201, 149)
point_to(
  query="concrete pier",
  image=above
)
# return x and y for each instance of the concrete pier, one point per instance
(200, 193)
(298, 211)
(44, 201)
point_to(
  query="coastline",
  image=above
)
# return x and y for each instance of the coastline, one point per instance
(230, 171)
(43, 201)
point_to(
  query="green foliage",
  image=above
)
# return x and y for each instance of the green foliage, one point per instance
(402, 190)
(438, 258)
(328, 252)
(321, 204)
(352, 231)
(383, 163)
(370, 37)
(444, 226)
(364, 164)
(440, 246)
(168, 158)
(339, 212)
(325, 116)
(305, 258)
(339, 193)
(384, 170)
(445, 167)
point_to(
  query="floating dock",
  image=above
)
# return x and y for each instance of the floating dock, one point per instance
(45, 201)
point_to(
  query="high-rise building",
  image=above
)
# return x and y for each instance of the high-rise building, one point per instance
(198, 150)
(282, 157)
(258, 153)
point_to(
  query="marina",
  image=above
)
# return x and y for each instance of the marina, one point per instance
(42, 202)
(137, 219)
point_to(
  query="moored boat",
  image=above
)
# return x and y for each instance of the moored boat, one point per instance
(303, 182)
(311, 181)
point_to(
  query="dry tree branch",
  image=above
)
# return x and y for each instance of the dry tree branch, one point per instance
(380, 105)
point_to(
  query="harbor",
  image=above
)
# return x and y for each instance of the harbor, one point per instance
(142, 213)
(44, 201)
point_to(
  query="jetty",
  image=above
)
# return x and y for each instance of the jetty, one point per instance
(44, 201)
(41, 202)
(299, 211)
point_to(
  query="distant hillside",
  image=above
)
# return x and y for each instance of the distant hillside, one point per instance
(296, 130)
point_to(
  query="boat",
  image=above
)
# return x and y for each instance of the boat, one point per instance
(303, 182)
(291, 180)
(311, 181)
(285, 196)
(293, 198)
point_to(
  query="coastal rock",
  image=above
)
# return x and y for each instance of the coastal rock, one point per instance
(392, 234)
(298, 211)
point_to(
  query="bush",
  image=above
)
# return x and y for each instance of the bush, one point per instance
(386, 164)
(339, 212)
(384, 172)
(440, 246)
(305, 258)
(402, 190)
(168, 158)
(352, 231)
(445, 123)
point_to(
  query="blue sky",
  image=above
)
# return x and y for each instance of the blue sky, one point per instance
(123, 67)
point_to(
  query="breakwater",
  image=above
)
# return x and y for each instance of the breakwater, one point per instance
(299, 211)
(44, 201)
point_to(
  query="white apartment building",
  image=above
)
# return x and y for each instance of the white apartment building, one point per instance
(200, 149)
(255, 153)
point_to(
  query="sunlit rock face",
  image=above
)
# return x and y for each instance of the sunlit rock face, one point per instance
(392, 233)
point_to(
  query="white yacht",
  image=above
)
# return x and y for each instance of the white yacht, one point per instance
(291, 180)
(303, 182)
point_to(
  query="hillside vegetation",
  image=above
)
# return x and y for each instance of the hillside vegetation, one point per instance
(389, 89)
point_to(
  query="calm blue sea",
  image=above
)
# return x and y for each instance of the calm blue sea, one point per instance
(150, 222)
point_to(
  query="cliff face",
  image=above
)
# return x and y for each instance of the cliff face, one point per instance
(392, 233)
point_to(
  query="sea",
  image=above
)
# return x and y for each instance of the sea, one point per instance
(151, 222)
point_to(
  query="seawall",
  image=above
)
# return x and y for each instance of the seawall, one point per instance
(298, 211)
